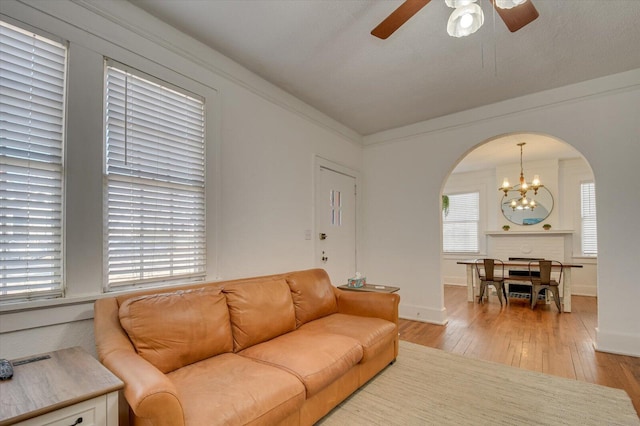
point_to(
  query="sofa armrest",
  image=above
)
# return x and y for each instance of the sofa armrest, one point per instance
(148, 391)
(379, 305)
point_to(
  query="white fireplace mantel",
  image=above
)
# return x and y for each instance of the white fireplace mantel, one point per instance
(551, 244)
(536, 233)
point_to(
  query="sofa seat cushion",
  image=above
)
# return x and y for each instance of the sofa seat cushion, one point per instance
(259, 311)
(374, 334)
(317, 359)
(171, 330)
(231, 389)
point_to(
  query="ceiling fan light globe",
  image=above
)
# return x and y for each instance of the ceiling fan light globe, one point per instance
(509, 4)
(465, 20)
(458, 3)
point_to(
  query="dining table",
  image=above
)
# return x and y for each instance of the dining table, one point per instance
(565, 291)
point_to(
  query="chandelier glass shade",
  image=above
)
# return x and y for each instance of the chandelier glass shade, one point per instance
(465, 20)
(522, 203)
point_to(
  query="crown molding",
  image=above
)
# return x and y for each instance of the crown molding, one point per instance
(603, 86)
(137, 21)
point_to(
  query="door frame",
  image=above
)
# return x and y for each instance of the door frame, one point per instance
(323, 163)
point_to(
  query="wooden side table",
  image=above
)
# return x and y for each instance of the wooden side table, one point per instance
(66, 387)
(371, 288)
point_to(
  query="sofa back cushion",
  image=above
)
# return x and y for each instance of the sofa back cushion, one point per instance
(259, 311)
(313, 295)
(171, 330)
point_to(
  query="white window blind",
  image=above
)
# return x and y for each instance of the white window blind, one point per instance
(588, 211)
(155, 175)
(32, 96)
(460, 226)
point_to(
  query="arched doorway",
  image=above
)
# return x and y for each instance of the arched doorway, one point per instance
(566, 176)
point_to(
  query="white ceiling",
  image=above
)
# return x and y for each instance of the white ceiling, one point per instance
(321, 51)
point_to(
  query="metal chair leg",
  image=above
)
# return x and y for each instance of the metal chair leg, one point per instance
(483, 285)
(556, 297)
(534, 297)
(498, 291)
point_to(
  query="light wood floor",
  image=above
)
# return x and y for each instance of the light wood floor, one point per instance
(538, 340)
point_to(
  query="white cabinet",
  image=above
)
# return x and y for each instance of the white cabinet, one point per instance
(93, 412)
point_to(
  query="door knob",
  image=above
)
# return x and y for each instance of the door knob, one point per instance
(323, 236)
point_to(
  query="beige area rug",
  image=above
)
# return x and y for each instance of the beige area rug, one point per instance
(428, 386)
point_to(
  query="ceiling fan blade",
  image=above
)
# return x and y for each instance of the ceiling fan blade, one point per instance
(398, 17)
(517, 17)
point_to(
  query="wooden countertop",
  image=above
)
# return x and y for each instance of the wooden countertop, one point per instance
(519, 263)
(372, 288)
(53, 381)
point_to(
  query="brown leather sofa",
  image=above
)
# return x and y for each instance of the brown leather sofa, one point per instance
(281, 349)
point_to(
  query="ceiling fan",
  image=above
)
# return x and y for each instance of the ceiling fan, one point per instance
(514, 18)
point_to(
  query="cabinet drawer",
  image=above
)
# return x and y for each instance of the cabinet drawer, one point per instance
(87, 413)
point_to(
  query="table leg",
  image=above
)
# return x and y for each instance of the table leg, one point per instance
(566, 291)
(470, 295)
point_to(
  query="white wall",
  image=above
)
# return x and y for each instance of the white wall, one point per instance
(265, 141)
(261, 142)
(405, 170)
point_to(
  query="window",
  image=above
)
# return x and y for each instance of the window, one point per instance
(460, 225)
(155, 172)
(335, 201)
(32, 104)
(588, 214)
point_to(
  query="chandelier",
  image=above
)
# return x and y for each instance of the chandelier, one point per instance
(522, 202)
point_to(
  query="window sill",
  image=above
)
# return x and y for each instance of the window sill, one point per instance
(41, 313)
(19, 306)
(24, 315)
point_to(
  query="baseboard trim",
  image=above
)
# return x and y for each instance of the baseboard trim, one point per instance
(423, 314)
(617, 343)
(583, 290)
(451, 280)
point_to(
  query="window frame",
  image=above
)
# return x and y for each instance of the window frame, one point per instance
(592, 232)
(51, 188)
(477, 221)
(205, 191)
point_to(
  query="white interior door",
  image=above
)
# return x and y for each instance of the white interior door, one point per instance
(336, 224)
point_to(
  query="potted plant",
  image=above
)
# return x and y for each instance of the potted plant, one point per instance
(506, 227)
(445, 205)
(546, 226)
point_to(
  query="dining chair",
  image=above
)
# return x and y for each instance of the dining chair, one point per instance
(549, 279)
(486, 271)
